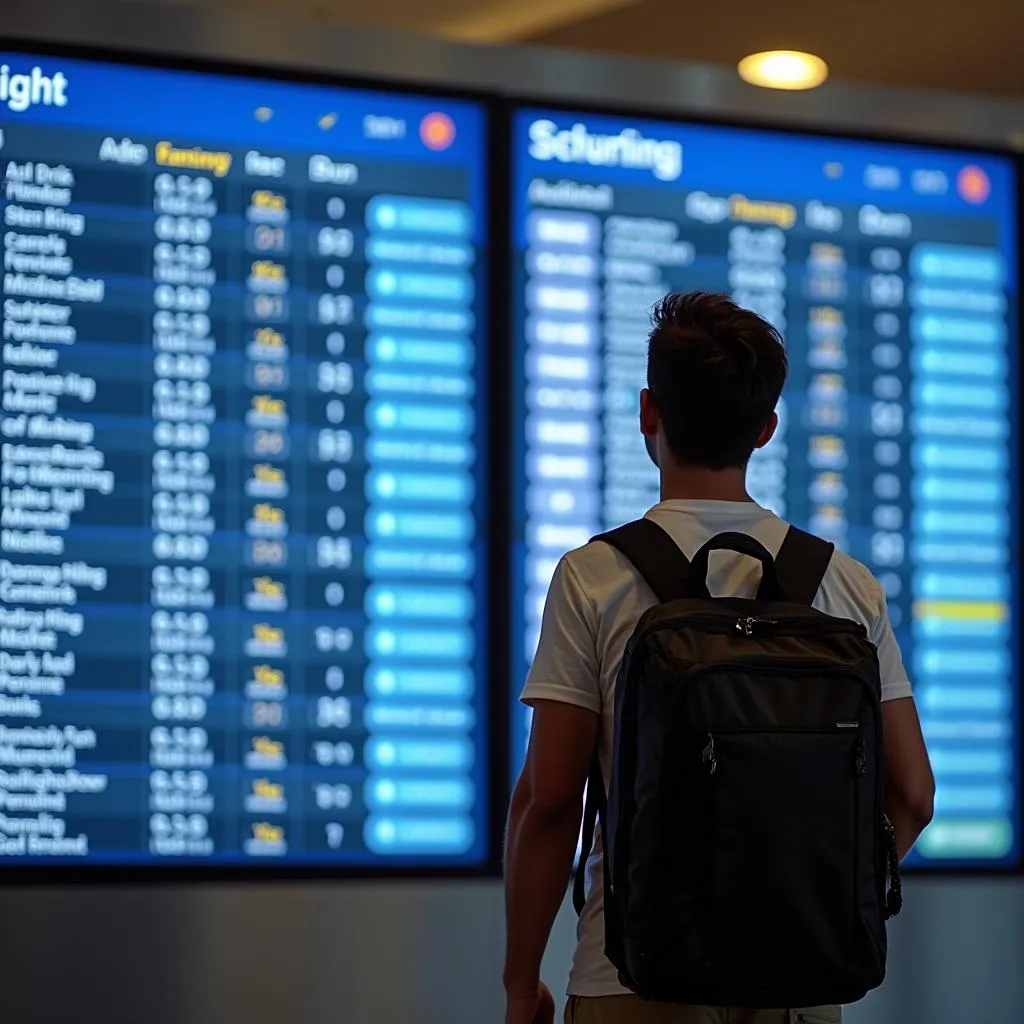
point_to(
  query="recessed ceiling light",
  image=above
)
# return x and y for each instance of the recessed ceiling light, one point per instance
(783, 69)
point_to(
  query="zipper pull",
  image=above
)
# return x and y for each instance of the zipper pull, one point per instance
(708, 755)
(746, 625)
(861, 762)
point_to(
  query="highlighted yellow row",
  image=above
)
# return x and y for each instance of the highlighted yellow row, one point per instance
(989, 611)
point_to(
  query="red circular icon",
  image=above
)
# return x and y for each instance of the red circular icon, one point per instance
(437, 131)
(973, 185)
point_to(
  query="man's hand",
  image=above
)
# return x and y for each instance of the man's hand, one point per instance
(530, 1007)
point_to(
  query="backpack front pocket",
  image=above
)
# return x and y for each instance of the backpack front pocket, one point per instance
(779, 902)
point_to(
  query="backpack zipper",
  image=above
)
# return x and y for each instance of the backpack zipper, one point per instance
(771, 667)
(708, 755)
(747, 624)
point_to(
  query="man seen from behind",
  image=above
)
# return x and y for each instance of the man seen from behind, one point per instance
(715, 375)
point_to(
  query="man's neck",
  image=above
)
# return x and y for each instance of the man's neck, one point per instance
(695, 484)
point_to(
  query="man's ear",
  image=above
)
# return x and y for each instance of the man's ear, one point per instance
(650, 418)
(769, 431)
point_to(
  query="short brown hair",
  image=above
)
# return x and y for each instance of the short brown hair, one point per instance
(715, 372)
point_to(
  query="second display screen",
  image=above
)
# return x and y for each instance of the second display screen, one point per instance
(891, 273)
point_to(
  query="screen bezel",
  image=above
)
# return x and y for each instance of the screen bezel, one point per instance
(511, 106)
(496, 727)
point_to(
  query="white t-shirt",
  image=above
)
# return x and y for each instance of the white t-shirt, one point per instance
(593, 604)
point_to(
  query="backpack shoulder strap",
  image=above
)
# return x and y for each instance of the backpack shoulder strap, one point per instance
(801, 564)
(658, 559)
(654, 554)
(595, 808)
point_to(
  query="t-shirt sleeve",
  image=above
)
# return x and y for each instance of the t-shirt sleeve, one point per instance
(895, 682)
(565, 667)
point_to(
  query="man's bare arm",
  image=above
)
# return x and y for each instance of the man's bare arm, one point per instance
(543, 826)
(909, 783)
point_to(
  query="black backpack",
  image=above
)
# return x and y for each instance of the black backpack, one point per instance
(747, 858)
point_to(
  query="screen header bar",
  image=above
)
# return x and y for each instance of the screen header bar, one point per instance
(673, 155)
(64, 92)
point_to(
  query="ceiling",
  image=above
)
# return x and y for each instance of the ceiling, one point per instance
(955, 45)
(479, 21)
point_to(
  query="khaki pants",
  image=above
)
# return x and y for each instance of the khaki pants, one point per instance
(633, 1010)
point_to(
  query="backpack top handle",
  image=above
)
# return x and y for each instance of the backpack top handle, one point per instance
(793, 575)
(697, 581)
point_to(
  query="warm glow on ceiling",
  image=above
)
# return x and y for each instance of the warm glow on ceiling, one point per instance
(783, 69)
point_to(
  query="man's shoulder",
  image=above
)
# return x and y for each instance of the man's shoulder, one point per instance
(595, 560)
(853, 574)
(602, 573)
(850, 590)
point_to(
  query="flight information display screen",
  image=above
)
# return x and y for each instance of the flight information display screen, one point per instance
(243, 548)
(892, 273)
